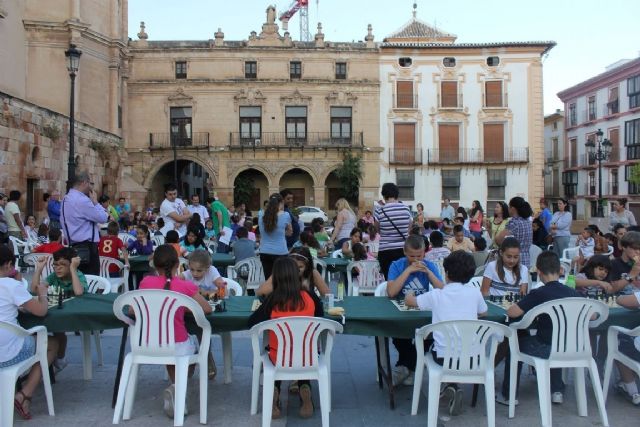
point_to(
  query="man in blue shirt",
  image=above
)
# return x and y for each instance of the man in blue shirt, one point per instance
(53, 209)
(545, 215)
(410, 273)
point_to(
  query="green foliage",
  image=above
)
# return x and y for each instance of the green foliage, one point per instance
(349, 175)
(634, 174)
(243, 188)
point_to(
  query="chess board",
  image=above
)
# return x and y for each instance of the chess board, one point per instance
(255, 305)
(402, 307)
(52, 300)
(609, 300)
(504, 301)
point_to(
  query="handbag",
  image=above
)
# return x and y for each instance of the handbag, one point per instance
(83, 249)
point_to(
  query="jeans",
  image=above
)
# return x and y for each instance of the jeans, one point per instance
(560, 244)
(533, 347)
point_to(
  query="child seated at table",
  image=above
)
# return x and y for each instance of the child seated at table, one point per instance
(143, 244)
(354, 237)
(54, 244)
(454, 301)
(192, 241)
(630, 347)
(248, 224)
(288, 297)
(437, 252)
(310, 277)
(244, 247)
(14, 349)
(68, 279)
(539, 345)
(166, 263)
(410, 273)
(173, 239)
(308, 240)
(202, 273)
(460, 242)
(594, 276)
(586, 248)
(506, 274)
(111, 246)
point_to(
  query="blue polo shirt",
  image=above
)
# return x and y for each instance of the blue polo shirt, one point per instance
(417, 282)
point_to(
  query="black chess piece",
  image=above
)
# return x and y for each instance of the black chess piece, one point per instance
(60, 297)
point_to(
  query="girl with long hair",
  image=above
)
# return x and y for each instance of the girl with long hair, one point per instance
(476, 220)
(345, 222)
(310, 277)
(506, 274)
(275, 225)
(498, 223)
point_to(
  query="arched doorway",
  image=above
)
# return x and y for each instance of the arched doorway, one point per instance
(300, 182)
(251, 187)
(333, 191)
(193, 178)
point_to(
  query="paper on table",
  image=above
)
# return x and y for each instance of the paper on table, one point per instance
(226, 237)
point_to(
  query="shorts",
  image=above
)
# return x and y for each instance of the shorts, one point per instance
(28, 350)
(188, 347)
(626, 346)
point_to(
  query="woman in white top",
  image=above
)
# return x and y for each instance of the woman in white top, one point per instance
(621, 215)
(345, 222)
(561, 227)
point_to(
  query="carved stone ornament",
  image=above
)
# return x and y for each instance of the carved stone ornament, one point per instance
(180, 99)
(142, 35)
(295, 98)
(248, 97)
(341, 98)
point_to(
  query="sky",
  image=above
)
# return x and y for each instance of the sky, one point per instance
(590, 34)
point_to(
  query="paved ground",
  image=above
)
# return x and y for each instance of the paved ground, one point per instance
(357, 401)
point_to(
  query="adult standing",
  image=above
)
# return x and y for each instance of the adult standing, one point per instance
(80, 217)
(561, 227)
(287, 197)
(53, 210)
(173, 211)
(220, 217)
(12, 214)
(476, 220)
(447, 210)
(275, 225)
(519, 227)
(621, 215)
(124, 212)
(394, 222)
(420, 216)
(4, 228)
(498, 222)
(545, 215)
(196, 207)
(346, 221)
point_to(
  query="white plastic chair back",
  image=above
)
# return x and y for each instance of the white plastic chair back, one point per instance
(98, 284)
(152, 331)
(126, 238)
(158, 240)
(211, 245)
(534, 251)
(609, 250)
(253, 266)
(116, 282)
(32, 259)
(337, 253)
(321, 266)
(615, 354)
(381, 290)
(20, 247)
(476, 282)
(569, 254)
(366, 281)
(440, 266)
(372, 247)
(184, 264)
(233, 287)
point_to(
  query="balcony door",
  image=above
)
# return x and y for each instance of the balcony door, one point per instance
(449, 143)
(493, 142)
(404, 142)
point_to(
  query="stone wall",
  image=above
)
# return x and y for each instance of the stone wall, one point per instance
(34, 146)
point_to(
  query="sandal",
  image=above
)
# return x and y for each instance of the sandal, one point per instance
(293, 387)
(275, 411)
(306, 404)
(19, 405)
(211, 365)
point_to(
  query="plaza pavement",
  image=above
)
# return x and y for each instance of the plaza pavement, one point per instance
(357, 400)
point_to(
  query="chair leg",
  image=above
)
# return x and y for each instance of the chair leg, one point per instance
(6, 400)
(417, 386)
(46, 382)
(607, 376)
(130, 392)
(433, 401)
(490, 395)
(267, 400)
(323, 388)
(544, 388)
(122, 388)
(227, 355)
(204, 377)
(581, 391)
(86, 354)
(513, 385)
(255, 386)
(182, 373)
(595, 381)
(96, 336)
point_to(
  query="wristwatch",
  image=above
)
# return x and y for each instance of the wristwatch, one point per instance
(627, 277)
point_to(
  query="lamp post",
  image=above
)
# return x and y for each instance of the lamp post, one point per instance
(73, 62)
(600, 152)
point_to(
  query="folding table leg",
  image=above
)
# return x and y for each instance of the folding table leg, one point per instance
(384, 368)
(116, 384)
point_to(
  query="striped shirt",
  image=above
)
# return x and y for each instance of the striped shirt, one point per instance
(397, 214)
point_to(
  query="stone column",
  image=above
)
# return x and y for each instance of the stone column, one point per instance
(319, 195)
(75, 9)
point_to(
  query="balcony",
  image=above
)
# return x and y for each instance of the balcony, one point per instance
(495, 100)
(168, 141)
(588, 116)
(450, 102)
(404, 156)
(590, 189)
(570, 162)
(612, 189)
(477, 155)
(612, 107)
(300, 140)
(405, 102)
(587, 160)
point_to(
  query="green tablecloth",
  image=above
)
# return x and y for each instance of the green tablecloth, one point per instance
(336, 264)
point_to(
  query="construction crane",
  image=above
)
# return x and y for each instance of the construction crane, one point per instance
(301, 6)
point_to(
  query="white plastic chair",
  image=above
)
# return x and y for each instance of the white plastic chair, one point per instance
(32, 259)
(615, 354)
(97, 285)
(440, 266)
(20, 247)
(157, 240)
(568, 255)
(366, 281)
(381, 290)
(298, 357)
(227, 343)
(116, 282)
(184, 264)
(469, 358)
(10, 374)
(255, 272)
(570, 348)
(337, 253)
(152, 341)
(126, 238)
(372, 247)
(534, 252)
(321, 266)
(609, 250)
(476, 282)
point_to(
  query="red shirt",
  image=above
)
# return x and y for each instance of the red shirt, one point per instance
(48, 248)
(308, 309)
(110, 246)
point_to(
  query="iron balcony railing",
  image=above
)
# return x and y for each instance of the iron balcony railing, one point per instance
(450, 101)
(405, 101)
(168, 140)
(405, 156)
(477, 155)
(292, 140)
(498, 100)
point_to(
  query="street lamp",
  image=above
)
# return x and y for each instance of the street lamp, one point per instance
(73, 62)
(599, 153)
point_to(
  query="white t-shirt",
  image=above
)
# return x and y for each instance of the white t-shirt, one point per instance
(12, 295)
(9, 210)
(200, 210)
(207, 281)
(166, 208)
(453, 302)
(499, 287)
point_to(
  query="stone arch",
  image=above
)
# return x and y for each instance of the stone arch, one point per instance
(270, 178)
(260, 182)
(192, 180)
(160, 163)
(301, 181)
(303, 167)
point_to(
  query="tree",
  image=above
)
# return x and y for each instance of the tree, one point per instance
(349, 174)
(243, 189)
(634, 174)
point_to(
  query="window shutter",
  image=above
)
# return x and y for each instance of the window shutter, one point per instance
(449, 142)
(449, 94)
(404, 94)
(493, 93)
(404, 144)
(493, 142)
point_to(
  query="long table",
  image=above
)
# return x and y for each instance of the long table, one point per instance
(140, 263)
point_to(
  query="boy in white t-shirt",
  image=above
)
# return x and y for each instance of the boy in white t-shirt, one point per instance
(455, 301)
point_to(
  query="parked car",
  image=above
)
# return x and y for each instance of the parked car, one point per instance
(308, 213)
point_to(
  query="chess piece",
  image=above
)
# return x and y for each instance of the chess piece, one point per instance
(60, 296)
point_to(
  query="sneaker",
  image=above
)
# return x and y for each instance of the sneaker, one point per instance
(400, 373)
(409, 380)
(504, 400)
(633, 398)
(60, 363)
(557, 398)
(306, 404)
(169, 396)
(454, 394)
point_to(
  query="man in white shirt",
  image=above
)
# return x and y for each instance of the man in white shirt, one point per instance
(196, 207)
(174, 212)
(447, 210)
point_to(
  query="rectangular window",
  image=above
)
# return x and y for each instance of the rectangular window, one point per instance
(493, 94)
(591, 105)
(451, 184)
(180, 125)
(573, 147)
(573, 117)
(250, 70)
(632, 139)
(181, 69)
(496, 181)
(613, 106)
(614, 138)
(592, 183)
(250, 125)
(406, 184)
(633, 91)
(404, 143)
(555, 125)
(449, 94)
(296, 124)
(554, 147)
(295, 70)
(633, 187)
(614, 182)
(404, 94)
(341, 124)
(449, 143)
(493, 142)
(341, 70)
(570, 183)
(119, 116)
